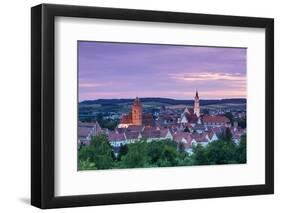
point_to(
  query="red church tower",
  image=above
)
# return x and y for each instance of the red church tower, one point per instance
(137, 112)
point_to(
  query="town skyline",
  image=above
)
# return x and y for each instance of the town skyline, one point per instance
(167, 71)
(144, 97)
(160, 136)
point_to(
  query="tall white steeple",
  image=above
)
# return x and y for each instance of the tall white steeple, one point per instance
(196, 104)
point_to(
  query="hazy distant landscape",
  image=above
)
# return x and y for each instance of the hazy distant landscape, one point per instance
(89, 107)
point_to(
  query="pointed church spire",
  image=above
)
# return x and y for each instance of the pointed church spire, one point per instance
(137, 100)
(196, 104)
(196, 96)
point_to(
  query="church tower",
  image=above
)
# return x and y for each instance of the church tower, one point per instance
(137, 112)
(196, 104)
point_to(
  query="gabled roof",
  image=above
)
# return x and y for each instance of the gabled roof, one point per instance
(211, 133)
(178, 136)
(188, 110)
(200, 137)
(192, 118)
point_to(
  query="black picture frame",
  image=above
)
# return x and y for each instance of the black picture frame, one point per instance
(43, 110)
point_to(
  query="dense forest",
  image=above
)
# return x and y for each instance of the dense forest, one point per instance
(164, 153)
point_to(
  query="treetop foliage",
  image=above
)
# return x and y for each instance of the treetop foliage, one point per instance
(163, 153)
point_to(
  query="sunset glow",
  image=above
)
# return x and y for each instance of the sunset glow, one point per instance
(122, 70)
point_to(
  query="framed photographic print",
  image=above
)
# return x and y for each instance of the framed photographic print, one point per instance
(139, 106)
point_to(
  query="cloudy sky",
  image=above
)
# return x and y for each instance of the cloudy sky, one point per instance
(121, 70)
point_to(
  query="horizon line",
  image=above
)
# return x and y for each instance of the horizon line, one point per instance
(162, 97)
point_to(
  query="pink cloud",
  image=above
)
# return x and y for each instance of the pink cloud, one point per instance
(208, 76)
(89, 85)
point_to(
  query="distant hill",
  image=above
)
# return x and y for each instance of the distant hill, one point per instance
(166, 101)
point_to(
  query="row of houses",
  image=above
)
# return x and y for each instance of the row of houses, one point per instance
(185, 139)
(186, 135)
(127, 136)
(188, 117)
(87, 130)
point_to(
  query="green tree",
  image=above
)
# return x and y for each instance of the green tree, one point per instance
(98, 152)
(242, 123)
(106, 123)
(200, 155)
(221, 152)
(181, 147)
(226, 135)
(122, 152)
(170, 154)
(229, 116)
(86, 165)
(205, 111)
(217, 152)
(109, 124)
(186, 160)
(136, 157)
(155, 151)
(241, 153)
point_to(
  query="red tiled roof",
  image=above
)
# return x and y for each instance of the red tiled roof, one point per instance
(215, 119)
(163, 132)
(191, 111)
(134, 128)
(120, 130)
(112, 136)
(126, 119)
(178, 136)
(131, 135)
(147, 119)
(192, 118)
(210, 134)
(199, 137)
(150, 133)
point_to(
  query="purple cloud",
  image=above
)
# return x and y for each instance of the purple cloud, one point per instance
(122, 70)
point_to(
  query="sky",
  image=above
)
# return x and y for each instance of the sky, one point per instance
(126, 70)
